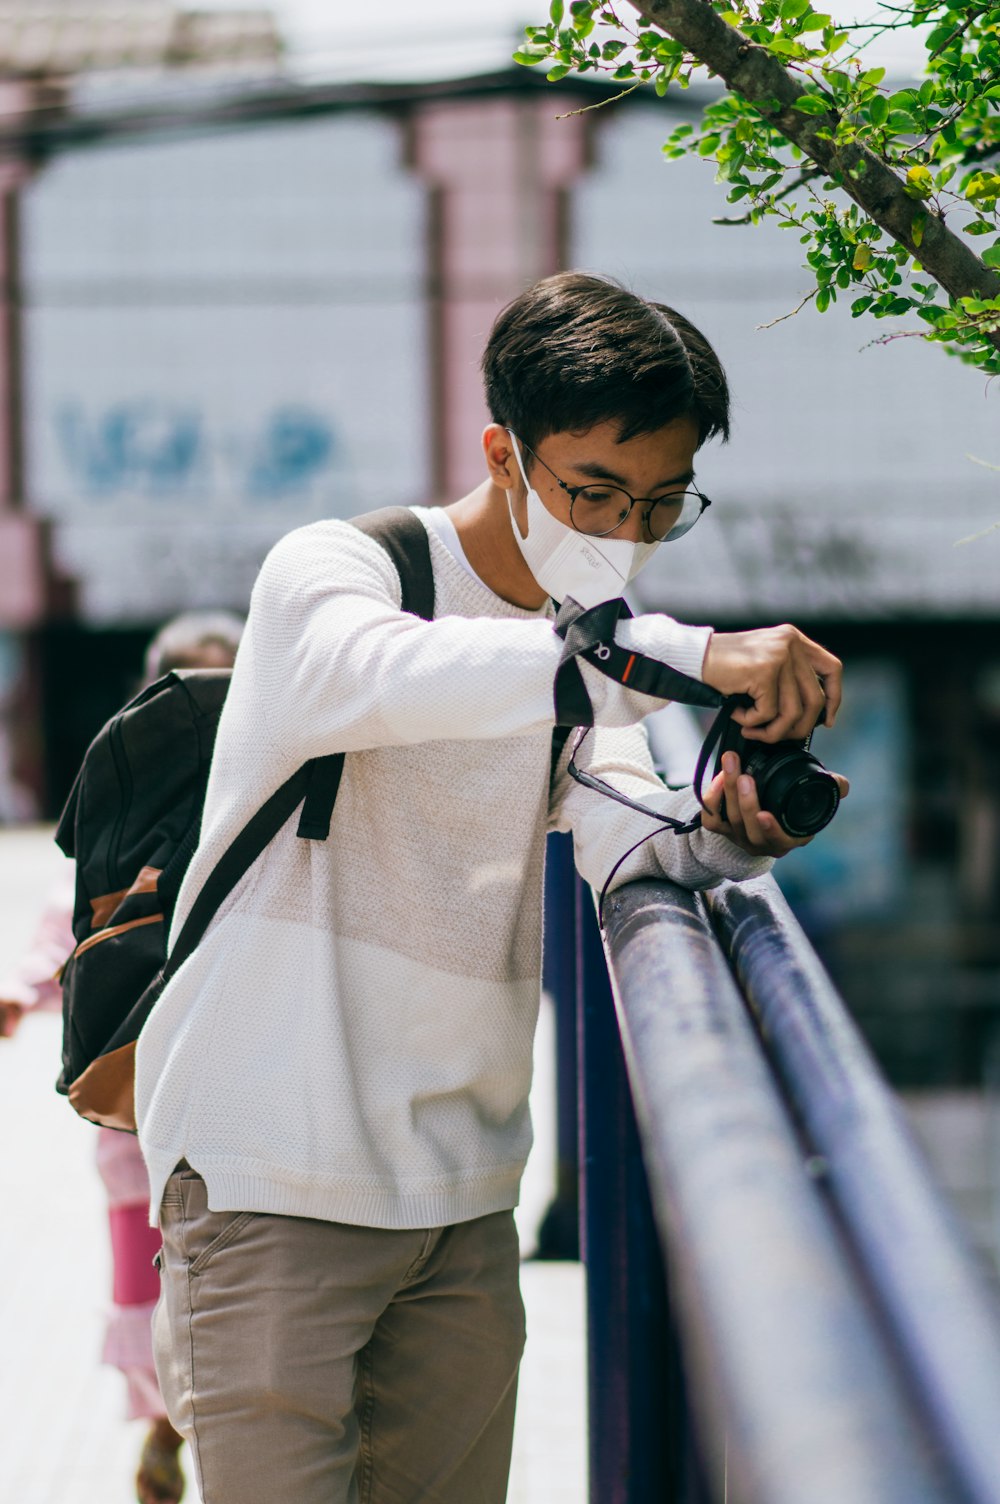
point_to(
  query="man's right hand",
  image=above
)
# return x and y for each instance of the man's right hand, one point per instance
(793, 682)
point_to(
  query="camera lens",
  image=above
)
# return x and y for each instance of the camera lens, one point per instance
(792, 783)
(797, 790)
(809, 805)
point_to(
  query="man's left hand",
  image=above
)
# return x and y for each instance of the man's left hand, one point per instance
(747, 825)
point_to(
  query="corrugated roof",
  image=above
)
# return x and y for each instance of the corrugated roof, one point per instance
(74, 36)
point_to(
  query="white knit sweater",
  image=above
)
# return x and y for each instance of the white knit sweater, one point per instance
(352, 1038)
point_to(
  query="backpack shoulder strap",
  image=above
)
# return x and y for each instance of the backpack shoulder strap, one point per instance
(236, 860)
(404, 538)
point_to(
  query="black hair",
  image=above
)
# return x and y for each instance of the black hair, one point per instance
(575, 350)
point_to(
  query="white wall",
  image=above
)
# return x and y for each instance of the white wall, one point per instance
(224, 338)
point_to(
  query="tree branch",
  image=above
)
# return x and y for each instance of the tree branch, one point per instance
(751, 72)
(959, 31)
(799, 181)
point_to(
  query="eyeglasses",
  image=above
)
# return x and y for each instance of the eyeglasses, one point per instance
(599, 509)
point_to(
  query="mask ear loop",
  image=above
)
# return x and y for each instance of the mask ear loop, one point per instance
(677, 827)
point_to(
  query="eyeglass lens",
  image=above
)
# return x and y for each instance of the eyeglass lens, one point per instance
(598, 510)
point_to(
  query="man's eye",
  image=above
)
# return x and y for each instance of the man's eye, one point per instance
(598, 497)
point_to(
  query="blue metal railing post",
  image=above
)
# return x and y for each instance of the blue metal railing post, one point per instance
(559, 1235)
(640, 1446)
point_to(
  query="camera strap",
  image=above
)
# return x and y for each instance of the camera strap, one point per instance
(708, 746)
(590, 634)
(664, 821)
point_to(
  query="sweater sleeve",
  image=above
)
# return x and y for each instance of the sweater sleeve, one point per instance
(603, 831)
(337, 666)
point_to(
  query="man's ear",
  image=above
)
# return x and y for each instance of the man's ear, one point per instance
(498, 449)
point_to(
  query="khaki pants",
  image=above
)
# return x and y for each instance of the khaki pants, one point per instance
(311, 1362)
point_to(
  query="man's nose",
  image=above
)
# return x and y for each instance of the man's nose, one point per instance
(633, 529)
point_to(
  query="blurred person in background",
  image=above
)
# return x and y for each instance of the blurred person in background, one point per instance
(197, 639)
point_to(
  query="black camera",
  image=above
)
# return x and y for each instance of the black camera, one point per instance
(792, 783)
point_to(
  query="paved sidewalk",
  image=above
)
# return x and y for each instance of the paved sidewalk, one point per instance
(65, 1441)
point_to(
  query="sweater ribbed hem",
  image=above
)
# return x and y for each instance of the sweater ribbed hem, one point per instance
(233, 1188)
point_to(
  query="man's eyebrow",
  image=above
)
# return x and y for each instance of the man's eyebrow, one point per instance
(600, 472)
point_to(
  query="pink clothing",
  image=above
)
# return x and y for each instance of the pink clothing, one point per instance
(33, 983)
(128, 1343)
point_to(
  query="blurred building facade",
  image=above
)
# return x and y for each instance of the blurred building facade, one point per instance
(220, 335)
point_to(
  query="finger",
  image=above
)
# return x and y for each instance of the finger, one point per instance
(788, 713)
(731, 782)
(830, 671)
(763, 832)
(812, 695)
(713, 795)
(842, 784)
(750, 812)
(711, 817)
(764, 694)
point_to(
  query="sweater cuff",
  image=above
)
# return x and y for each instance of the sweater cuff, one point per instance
(667, 641)
(719, 854)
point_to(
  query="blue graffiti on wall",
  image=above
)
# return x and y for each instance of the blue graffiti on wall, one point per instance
(132, 446)
(164, 451)
(294, 446)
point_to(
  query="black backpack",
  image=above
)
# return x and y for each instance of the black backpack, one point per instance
(132, 822)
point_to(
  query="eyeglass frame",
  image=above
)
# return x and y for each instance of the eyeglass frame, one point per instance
(650, 501)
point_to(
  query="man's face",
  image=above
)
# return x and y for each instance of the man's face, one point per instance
(649, 467)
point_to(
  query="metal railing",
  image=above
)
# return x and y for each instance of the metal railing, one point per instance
(782, 1308)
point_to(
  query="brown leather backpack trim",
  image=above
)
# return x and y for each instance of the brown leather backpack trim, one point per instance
(104, 906)
(104, 1091)
(116, 929)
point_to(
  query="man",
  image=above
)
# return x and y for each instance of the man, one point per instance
(332, 1092)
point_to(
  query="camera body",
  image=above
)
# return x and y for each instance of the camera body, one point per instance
(792, 783)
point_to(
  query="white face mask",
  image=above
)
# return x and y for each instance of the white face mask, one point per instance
(572, 565)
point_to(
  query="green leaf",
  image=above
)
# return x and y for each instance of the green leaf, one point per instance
(558, 72)
(792, 9)
(919, 182)
(530, 56)
(861, 305)
(812, 104)
(873, 76)
(823, 298)
(556, 12)
(815, 22)
(862, 258)
(991, 255)
(785, 47)
(707, 145)
(878, 110)
(917, 228)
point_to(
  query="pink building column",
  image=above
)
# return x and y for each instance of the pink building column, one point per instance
(22, 568)
(498, 170)
(23, 554)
